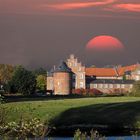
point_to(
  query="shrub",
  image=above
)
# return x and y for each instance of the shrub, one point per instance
(94, 92)
(136, 89)
(1, 99)
(3, 115)
(79, 91)
(94, 135)
(87, 92)
(25, 128)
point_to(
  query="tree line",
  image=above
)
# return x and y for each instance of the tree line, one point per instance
(17, 79)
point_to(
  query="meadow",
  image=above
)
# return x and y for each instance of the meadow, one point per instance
(100, 112)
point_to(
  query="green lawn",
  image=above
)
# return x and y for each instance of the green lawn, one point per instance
(104, 111)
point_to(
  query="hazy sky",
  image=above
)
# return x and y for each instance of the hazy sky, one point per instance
(39, 33)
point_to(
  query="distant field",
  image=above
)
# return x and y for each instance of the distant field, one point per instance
(100, 111)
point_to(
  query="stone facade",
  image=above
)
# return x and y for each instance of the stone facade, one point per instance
(112, 86)
(50, 83)
(79, 72)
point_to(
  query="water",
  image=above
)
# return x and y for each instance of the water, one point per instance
(106, 138)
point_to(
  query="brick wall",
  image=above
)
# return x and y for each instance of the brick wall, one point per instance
(62, 83)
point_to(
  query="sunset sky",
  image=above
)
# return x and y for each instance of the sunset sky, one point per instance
(40, 33)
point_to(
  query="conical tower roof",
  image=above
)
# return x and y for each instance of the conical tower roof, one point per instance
(62, 67)
(50, 73)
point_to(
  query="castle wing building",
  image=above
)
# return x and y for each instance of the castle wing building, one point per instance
(72, 74)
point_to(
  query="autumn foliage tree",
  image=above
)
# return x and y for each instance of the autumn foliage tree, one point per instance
(6, 72)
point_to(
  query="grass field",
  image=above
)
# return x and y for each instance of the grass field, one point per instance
(100, 111)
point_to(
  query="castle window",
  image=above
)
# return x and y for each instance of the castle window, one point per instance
(118, 86)
(137, 78)
(122, 86)
(110, 85)
(81, 76)
(105, 85)
(131, 86)
(95, 85)
(81, 84)
(100, 85)
(58, 83)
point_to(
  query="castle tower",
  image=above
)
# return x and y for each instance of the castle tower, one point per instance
(62, 79)
(79, 70)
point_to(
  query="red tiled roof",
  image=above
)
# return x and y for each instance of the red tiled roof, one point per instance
(109, 72)
(105, 72)
(122, 70)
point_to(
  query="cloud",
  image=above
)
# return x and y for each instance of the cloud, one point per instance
(102, 8)
(128, 7)
(77, 5)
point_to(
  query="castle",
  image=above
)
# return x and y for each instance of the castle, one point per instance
(71, 74)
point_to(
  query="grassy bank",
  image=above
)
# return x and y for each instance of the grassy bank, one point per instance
(82, 112)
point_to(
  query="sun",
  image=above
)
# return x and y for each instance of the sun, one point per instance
(104, 43)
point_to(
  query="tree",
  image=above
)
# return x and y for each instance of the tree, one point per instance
(136, 89)
(24, 81)
(40, 71)
(41, 82)
(124, 77)
(9, 87)
(6, 72)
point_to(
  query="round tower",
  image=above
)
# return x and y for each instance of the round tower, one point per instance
(62, 79)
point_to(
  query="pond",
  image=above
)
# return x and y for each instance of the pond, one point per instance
(106, 138)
